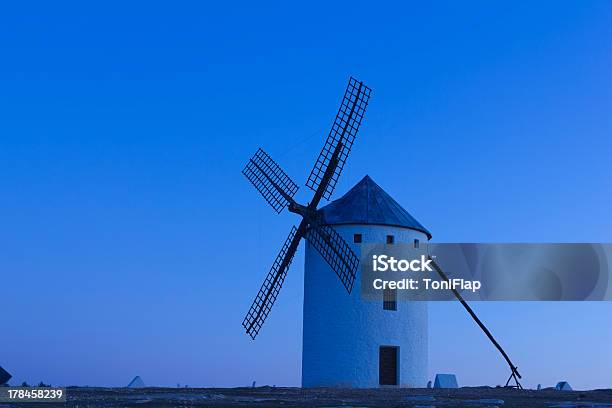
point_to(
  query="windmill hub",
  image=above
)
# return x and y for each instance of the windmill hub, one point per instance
(305, 211)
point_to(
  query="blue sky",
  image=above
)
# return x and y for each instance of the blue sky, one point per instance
(131, 244)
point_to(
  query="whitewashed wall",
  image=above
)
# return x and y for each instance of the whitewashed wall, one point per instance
(342, 334)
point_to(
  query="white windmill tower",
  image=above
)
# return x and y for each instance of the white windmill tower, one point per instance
(349, 342)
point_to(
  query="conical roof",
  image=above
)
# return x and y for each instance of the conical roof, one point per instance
(368, 203)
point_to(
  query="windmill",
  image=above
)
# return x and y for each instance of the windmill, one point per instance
(278, 190)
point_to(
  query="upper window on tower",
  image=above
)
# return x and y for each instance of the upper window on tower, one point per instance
(390, 239)
(416, 243)
(357, 238)
(389, 299)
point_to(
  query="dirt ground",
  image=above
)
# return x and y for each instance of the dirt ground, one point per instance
(297, 397)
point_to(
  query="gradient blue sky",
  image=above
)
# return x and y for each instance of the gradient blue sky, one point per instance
(131, 244)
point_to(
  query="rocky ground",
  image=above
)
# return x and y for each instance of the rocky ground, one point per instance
(296, 397)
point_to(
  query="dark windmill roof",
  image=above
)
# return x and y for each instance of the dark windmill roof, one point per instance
(367, 203)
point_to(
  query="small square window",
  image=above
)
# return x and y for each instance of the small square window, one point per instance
(357, 238)
(390, 299)
(416, 243)
(390, 239)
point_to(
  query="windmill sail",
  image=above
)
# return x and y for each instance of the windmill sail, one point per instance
(344, 130)
(336, 252)
(270, 180)
(260, 308)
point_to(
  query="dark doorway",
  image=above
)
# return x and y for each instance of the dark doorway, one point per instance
(387, 365)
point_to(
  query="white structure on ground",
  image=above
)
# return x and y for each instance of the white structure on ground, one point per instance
(446, 381)
(349, 342)
(563, 386)
(136, 383)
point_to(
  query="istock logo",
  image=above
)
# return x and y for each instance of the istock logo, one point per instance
(382, 263)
